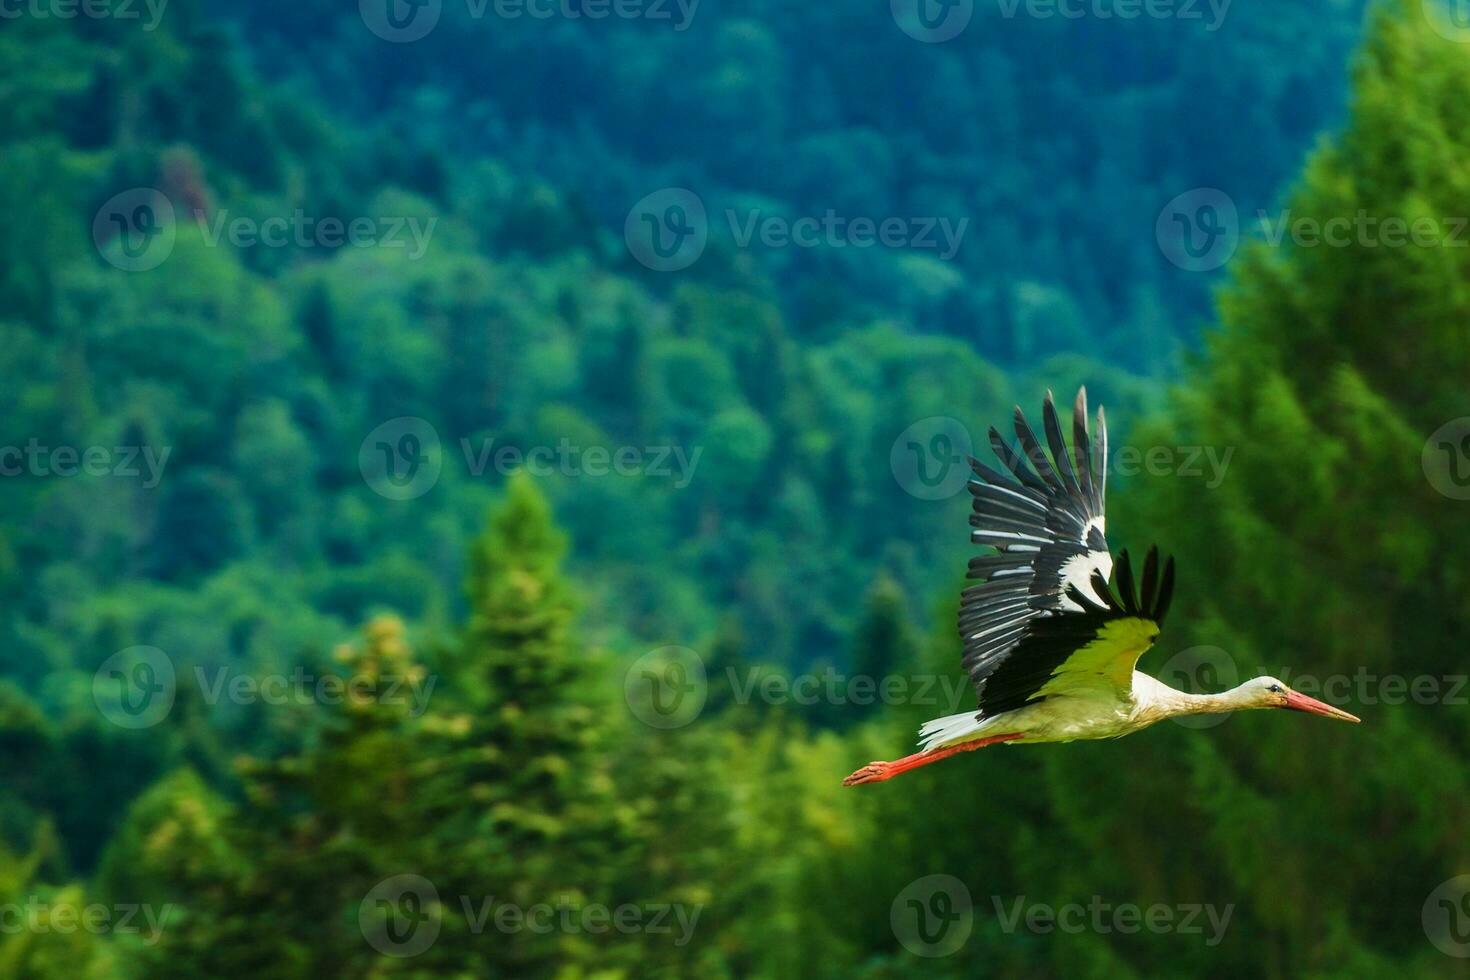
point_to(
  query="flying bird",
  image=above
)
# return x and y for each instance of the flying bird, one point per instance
(1050, 643)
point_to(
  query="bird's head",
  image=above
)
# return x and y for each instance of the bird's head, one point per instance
(1268, 692)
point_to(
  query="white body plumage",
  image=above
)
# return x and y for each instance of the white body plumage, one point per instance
(1094, 713)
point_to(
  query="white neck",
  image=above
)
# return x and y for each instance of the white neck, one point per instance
(1156, 700)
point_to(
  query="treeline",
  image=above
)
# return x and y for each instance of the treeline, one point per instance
(266, 836)
(1058, 138)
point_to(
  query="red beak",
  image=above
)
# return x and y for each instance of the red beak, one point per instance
(1300, 702)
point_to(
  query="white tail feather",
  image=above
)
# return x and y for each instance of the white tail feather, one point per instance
(950, 729)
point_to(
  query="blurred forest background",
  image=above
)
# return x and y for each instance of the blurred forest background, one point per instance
(528, 772)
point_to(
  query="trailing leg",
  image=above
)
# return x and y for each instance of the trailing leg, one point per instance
(877, 772)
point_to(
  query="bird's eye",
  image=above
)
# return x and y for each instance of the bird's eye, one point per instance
(1274, 688)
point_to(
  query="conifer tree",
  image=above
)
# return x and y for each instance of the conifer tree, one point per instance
(521, 783)
(320, 828)
(1329, 555)
(883, 637)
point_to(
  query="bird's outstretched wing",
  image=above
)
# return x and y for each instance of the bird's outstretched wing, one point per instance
(1043, 618)
(1089, 651)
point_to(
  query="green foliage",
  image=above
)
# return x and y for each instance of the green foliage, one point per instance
(524, 751)
(508, 768)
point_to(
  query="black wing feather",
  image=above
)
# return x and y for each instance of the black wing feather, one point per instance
(1042, 513)
(1033, 451)
(1150, 579)
(1124, 572)
(1082, 452)
(1058, 448)
(1166, 593)
(1013, 462)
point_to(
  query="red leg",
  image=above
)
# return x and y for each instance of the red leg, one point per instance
(876, 772)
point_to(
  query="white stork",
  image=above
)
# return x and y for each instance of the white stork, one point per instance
(1050, 645)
